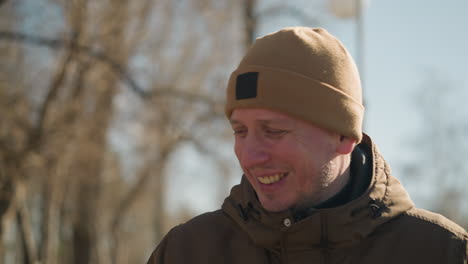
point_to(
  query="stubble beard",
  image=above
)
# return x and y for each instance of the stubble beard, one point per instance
(325, 175)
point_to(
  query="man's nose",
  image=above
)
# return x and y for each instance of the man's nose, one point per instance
(254, 152)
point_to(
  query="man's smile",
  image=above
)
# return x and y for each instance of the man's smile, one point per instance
(272, 178)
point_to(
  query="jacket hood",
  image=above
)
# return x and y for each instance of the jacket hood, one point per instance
(383, 200)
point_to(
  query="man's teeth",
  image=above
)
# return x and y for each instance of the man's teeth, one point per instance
(271, 179)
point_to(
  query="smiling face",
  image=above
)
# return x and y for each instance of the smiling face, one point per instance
(289, 162)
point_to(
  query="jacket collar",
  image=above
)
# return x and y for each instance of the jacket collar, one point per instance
(383, 200)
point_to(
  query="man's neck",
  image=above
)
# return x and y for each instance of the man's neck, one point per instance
(341, 180)
(332, 190)
(357, 175)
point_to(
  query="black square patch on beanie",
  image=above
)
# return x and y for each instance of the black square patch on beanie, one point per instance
(246, 85)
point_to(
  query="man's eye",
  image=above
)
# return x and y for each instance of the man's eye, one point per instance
(275, 132)
(239, 132)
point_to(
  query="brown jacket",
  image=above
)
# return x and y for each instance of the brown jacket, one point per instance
(379, 226)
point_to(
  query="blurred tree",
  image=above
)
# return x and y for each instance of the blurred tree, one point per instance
(75, 198)
(13, 129)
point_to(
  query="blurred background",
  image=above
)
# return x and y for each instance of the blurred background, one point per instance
(111, 112)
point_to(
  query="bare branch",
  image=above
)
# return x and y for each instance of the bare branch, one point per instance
(37, 131)
(145, 175)
(135, 191)
(26, 229)
(116, 67)
(59, 43)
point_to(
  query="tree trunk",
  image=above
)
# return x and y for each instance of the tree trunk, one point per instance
(25, 227)
(250, 22)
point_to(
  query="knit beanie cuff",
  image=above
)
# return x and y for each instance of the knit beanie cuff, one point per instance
(300, 96)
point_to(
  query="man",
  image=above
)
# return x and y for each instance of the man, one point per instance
(315, 189)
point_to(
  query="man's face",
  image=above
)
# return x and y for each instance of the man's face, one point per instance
(289, 162)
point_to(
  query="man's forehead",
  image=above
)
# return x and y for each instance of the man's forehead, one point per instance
(262, 115)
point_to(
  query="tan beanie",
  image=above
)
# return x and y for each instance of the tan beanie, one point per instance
(304, 72)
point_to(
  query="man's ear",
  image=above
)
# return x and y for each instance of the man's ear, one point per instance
(346, 145)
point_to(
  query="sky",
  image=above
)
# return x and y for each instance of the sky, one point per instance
(403, 41)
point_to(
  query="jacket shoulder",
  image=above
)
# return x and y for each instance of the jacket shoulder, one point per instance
(189, 238)
(420, 236)
(435, 222)
(205, 219)
(208, 238)
(209, 224)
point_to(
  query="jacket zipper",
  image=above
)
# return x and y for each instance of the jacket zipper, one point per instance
(283, 256)
(324, 239)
